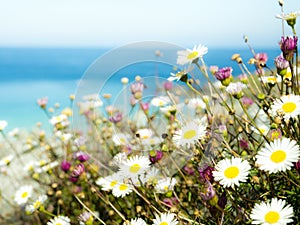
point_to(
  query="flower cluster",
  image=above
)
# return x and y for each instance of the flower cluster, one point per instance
(226, 152)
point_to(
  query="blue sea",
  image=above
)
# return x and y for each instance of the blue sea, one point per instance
(27, 74)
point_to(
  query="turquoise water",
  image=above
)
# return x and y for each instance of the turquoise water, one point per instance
(27, 74)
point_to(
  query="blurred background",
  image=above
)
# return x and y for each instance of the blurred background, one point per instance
(47, 45)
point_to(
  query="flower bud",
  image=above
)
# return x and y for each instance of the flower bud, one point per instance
(65, 165)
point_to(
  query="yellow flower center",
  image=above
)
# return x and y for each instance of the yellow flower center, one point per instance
(37, 204)
(288, 75)
(271, 79)
(123, 187)
(272, 217)
(58, 224)
(231, 172)
(189, 134)
(160, 103)
(289, 107)
(278, 156)
(122, 140)
(164, 223)
(24, 194)
(166, 188)
(135, 168)
(192, 55)
(113, 183)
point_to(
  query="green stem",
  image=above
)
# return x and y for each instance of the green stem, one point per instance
(43, 210)
(87, 208)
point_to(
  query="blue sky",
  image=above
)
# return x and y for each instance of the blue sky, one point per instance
(111, 23)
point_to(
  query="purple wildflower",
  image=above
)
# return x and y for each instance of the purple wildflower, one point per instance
(281, 63)
(223, 73)
(189, 170)
(244, 144)
(78, 170)
(206, 173)
(65, 165)
(117, 117)
(297, 165)
(261, 58)
(288, 45)
(73, 179)
(82, 157)
(247, 101)
(155, 156)
(137, 87)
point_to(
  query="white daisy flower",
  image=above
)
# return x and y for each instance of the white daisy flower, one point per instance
(189, 134)
(230, 172)
(65, 137)
(30, 166)
(134, 166)
(275, 212)
(288, 16)
(189, 55)
(109, 182)
(152, 141)
(151, 175)
(120, 139)
(6, 160)
(60, 220)
(166, 184)
(177, 76)
(288, 105)
(271, 79)
(3, 124)
(23, 194)
(165, 219)
(137, 221)
(121, 189)
(160, 101)
(146, 136)
(144, 133)
(58, 119)
(236, 89)
(279, 155)
(37, 204)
